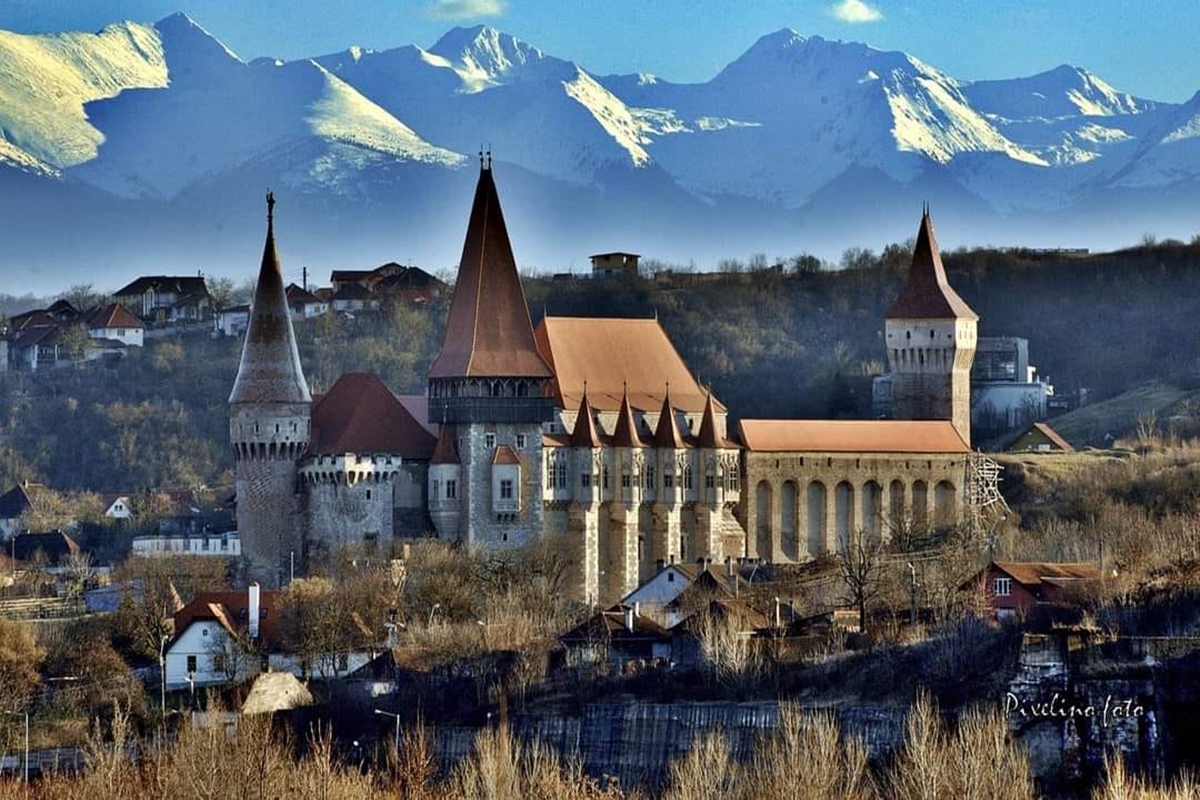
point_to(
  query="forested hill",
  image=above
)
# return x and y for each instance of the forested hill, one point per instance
(797, 342)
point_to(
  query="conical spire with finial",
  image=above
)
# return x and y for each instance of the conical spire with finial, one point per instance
(927, 293)
(585, 434)
(708, 426)
(666, 435)
(444, 452)
(270, 371)
(625, 433)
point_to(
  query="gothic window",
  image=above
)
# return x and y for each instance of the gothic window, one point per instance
(649, 476)
(687, 477)
(506, 489)
(585, 480)
(604, 476)
(451, 489)
(551, 473)
(668, 480)
(709, 482)
(625, 480)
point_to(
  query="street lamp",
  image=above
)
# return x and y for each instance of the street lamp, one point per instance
(432, 611)
(381, 713)
(162, 671)
(24, 714)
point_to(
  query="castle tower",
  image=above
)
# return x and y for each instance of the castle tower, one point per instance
(625, 508)
(490, 384)
(583, 515)
(445, 480)
(671, 452)
(931, 335)
(711, 493)
(269, 419)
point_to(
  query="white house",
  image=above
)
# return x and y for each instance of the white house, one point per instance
(212, 637)
(225, 545)
(115, 323)
(658, 597)
(117, 506)
(232, 321)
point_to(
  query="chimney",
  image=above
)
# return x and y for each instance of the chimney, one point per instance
(252, 592)
(629, 612)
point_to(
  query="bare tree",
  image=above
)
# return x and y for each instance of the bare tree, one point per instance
(861, 569)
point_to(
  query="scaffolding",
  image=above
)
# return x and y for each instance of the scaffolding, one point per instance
(983, 504)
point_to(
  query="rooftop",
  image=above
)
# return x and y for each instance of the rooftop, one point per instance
(852, 436)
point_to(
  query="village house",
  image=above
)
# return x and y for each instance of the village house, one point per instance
(232, 321)
(1013, 588)
(114, 323)
(615, 265)
(167, 298)
(303, 303)
(13, 505)
(1039, 438)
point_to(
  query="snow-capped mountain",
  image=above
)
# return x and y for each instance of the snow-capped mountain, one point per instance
(801, 143)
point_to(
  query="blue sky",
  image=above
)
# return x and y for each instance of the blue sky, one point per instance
(1147, 49)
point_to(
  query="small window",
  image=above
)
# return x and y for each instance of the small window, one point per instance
(368, 494)
(709, 482)
(670, 577)
(625, 480)
(1002, 587)
(520, 441)
(191, 665)
(451, 489)
(585, 480)
(668, 480)
(218, 663)
(506, 489)
(489, 440)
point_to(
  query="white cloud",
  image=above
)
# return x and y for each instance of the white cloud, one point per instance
(855, 12)
(465, 9)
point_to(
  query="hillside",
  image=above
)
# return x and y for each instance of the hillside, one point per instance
(772, 344)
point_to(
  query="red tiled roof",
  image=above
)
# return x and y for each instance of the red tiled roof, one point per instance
(585, 434)
(32, 319)
(708, 427)
(488, 332)
(666, 435)
(851, 436)
(418, 406)
(231, 609)
(297, 295)
(1031, 573)
(617, 357)
(928, 294)
(625, 434)
(1052, 435)
(445, 452)
(360, 415)
(506, 455)
(113, 315)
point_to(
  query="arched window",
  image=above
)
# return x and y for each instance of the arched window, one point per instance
(944, 504)
(920, 506)
(897, 514)
(872, 508)
(843, 499)
(687, 477)
(762, 498)
(789, 541)
(816, 518)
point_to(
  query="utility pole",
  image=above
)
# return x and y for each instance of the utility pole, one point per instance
(382, 713)
(304, 284)
(912, 595)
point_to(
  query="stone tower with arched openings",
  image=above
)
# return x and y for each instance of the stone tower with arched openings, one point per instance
(931, 336)
(270, 412)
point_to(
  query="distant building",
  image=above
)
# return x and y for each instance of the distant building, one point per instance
(304, 304)
(389, 280)
(117, 506)
(219, 545)
(351, 297)
(1006, 392)
(232, 321)
(167, 298)
(219, 636)
(615, 265)
(114, 323)
(14, 503)
(1015, 587)
(54, 548)
(1039, 438)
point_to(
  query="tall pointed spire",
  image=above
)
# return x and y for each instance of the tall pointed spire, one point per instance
(488, 333)
(584, 434)
(708, 426)
(270, 370)
(666, 435)
(625, 432)
(444, 452)
(928, 294)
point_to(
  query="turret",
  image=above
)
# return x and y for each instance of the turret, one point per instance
(445, 479)
(931, 337)
(269, 427)
(492, 385)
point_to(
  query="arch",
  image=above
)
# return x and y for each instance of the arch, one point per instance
(920, 505)
(944, 505)
(843, 497)
(872, 509)
(816, 518)
(788, 539)
(897, 513)
(762, 500)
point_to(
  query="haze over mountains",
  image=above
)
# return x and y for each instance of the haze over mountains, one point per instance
(149, 148)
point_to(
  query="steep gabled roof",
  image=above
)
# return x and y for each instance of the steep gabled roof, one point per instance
(270, 370)
(585, 434)
(708, 427)
(445, 452)
(851, 436)
(113, 315)
(298, 295)
(666, 435)
(928, 294)
(625, 433)
(359, 414)
(17, 500)
(231, 610)
(488, 332)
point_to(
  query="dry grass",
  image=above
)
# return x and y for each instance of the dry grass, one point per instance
(1119, 784)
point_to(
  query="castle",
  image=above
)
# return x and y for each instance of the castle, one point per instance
(585, 428)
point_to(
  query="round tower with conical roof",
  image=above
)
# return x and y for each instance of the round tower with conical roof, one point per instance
(269, 427)
(931, 338)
